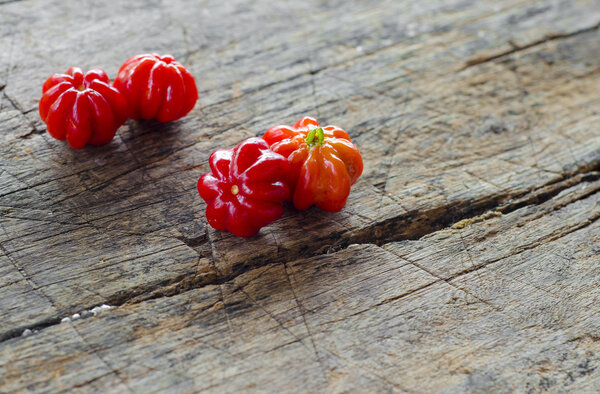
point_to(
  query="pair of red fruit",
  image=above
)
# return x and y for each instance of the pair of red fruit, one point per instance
(306, 164)
(86, 109)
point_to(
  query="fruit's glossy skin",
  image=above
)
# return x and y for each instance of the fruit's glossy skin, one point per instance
(245, 187)
(322, 172)
(156, 87)
(82, 108)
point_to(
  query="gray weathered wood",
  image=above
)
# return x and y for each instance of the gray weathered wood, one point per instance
(396, 318)
(459, 108)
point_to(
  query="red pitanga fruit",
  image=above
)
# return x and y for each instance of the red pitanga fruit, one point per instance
(245, 189)
(323, 162)
(82, 108)
(156, 87)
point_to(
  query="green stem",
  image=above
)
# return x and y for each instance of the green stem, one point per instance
(310, 138)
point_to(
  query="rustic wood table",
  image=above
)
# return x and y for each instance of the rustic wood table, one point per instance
(466, 259)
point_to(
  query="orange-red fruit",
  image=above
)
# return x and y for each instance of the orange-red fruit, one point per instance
(156, 87)
(321, 173)
(82, 108)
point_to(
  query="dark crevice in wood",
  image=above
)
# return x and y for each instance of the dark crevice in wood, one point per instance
(33, 130)
(17, 332)
(543, 194)
(167, 288)
(31, 133)
(417, 224)
(193, 242)
(13, 102)
(414, 225)
(10, 1)
(92, 380)
(411, 226)
(595, 338)
(518, 48)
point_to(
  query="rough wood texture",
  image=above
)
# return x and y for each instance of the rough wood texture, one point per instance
(467, 258)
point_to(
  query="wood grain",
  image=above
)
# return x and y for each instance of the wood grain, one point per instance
(464, 260)
(402, 317)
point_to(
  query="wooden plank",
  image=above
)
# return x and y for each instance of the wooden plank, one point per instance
(362, 319)
(118, 210)
(459, 107)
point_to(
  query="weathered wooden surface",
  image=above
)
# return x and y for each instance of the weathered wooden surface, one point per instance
(459, 108)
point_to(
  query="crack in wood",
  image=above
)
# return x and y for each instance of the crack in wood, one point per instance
(380, 234)
(594, 338)
(518, 48)
(18, 331)
(4, 2)
(33, 130)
